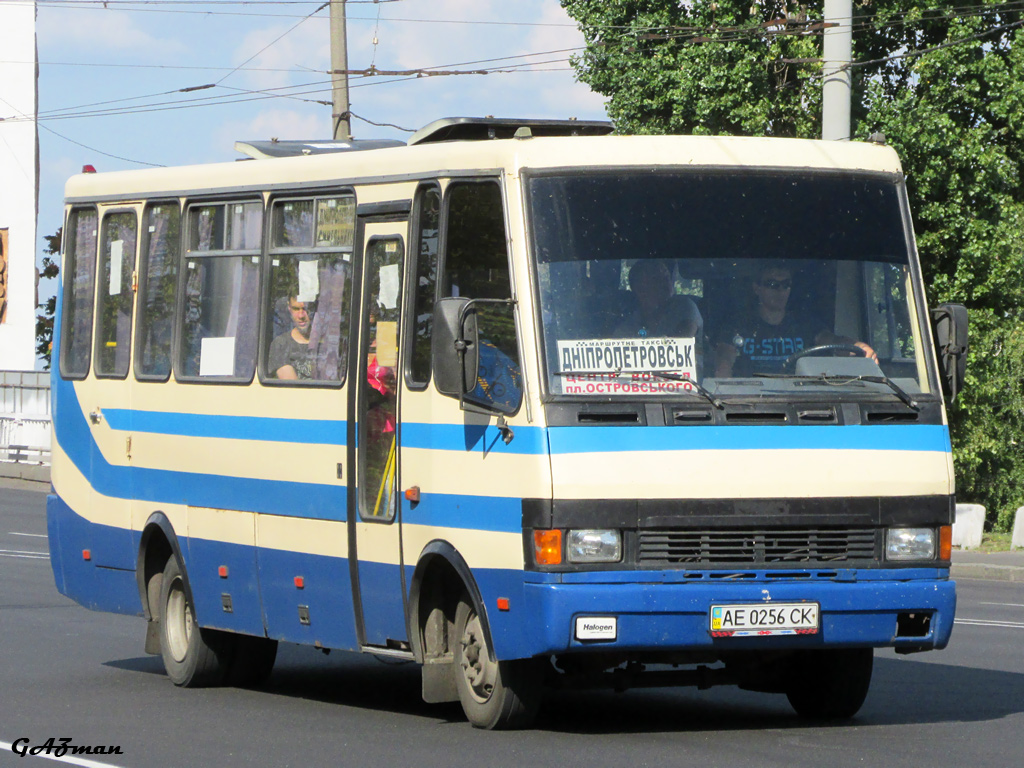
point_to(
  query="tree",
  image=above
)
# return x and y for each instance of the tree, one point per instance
(44, 322)
(946, 86)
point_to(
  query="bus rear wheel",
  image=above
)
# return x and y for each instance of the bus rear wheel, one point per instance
(495, 695)
(829, 684)
(193, 657)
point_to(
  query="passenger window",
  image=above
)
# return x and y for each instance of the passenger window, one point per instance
(476, 267)
(157, 288)
(116, 299)
(79, 285)
(310, 289)
(428, 219)
(221, 280)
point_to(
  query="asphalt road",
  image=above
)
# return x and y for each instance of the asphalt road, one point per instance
(68, 672)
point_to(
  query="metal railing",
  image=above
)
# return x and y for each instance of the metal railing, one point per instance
(25, 426)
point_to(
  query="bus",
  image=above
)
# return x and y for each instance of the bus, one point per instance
(527, 403)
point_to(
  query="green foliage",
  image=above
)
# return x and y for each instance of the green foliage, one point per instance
(44, 322)
(700, 67)
(946, 86)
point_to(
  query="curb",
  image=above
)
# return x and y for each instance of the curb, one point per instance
(987, 571)
(39, 473)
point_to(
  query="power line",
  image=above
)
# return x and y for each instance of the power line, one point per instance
(96, 5)
(273, 42)
(100, 151)
(378, 76)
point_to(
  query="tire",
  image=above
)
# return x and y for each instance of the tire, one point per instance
(193, 657)
(495, 695)
(829, 684)
(253, 661)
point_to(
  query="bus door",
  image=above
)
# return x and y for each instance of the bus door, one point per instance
(374, 530)
(106, 394)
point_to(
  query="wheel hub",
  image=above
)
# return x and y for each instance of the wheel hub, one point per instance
(477, 668)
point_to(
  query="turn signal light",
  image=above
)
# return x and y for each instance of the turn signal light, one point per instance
(547, 547)
(946, 542)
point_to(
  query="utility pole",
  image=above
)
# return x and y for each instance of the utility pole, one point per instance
(838, 80)
(340, 123)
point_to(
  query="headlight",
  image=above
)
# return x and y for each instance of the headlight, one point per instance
(594, 546)
(910, 544)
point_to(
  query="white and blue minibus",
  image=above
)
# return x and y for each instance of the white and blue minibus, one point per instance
(527, 403)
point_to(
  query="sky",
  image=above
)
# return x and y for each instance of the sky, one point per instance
(111, 76)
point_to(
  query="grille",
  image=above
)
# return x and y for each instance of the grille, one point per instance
(830, 545)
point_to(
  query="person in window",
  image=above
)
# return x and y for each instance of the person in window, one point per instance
(761, 341)
(290, 356)
(657, 311)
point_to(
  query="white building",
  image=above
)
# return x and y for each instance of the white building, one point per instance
(19, 186)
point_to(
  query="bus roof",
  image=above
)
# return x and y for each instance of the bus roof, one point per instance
(457, 157)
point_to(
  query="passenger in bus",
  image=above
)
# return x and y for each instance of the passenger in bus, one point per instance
(657, 311)
(290, 356)
(761, 340)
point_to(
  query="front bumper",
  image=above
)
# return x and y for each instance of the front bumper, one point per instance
(674, 616)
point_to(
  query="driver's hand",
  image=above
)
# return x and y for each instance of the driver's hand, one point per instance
(868, 351)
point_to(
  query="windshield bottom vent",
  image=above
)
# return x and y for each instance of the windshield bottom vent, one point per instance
(873, 417)
(590, 417)
(762, 417)
(691, 415)
(823, 416)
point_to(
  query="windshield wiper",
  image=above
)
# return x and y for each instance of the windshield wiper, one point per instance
(826, 378)
(699, 388)
(897, 390)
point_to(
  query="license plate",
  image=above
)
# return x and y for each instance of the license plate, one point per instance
(761, 619)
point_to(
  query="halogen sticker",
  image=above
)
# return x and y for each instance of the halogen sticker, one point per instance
(596, 627)
(626, 366)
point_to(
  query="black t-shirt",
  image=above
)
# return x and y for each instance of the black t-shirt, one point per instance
(285, 350)
(763, 348)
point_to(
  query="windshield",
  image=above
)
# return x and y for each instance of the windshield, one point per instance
(745, 282)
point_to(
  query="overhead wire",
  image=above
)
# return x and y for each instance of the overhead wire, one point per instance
(273, 42)
(382, 77)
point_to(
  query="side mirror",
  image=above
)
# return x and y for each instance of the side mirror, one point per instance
(454, 346)
(949, 329)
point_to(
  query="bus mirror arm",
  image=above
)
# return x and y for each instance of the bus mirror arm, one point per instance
(949, 330)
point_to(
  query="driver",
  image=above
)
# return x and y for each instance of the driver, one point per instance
(762, 340)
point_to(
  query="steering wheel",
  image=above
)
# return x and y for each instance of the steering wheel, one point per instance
(825, 349)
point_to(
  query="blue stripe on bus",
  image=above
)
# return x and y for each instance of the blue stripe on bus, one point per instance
(480, 513)
(471, 437)
(901, 437)
(319, 432)
(531, 440)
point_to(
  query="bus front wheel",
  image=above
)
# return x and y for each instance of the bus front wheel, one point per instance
(829, 684)
(193, 657)
(494, 694)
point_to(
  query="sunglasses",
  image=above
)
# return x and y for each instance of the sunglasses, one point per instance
(776, 285)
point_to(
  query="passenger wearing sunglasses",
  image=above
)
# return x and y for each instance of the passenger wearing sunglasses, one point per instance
(762, 341)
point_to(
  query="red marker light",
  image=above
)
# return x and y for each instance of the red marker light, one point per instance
(222, 571)
(503, 604)
(88, 169)
(87, 554)
(300, 582)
